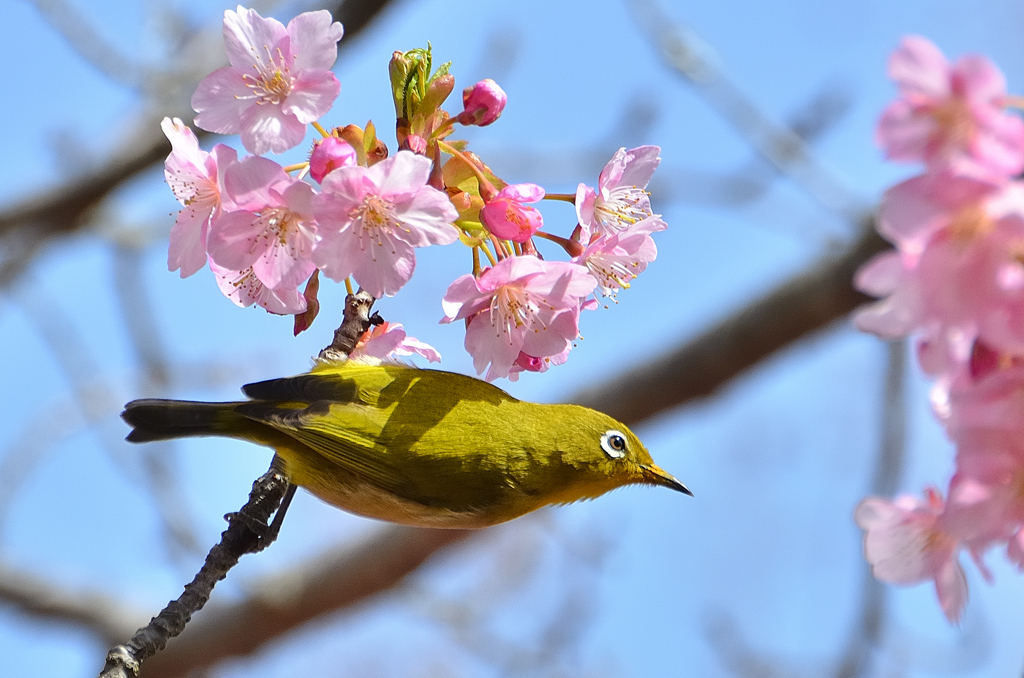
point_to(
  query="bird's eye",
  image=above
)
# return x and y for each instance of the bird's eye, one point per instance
(614, 444)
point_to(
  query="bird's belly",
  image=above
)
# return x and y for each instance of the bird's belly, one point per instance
(368, 500)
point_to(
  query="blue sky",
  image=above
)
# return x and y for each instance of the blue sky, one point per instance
(777, 460)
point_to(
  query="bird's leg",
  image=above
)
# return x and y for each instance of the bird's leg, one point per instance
(270, 535)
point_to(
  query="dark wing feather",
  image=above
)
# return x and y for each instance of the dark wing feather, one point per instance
(305, 388)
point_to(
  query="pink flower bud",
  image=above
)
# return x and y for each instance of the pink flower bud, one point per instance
(330, 154)
(483, 102)
(508, 218)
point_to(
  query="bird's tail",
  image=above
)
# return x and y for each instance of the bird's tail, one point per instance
(153, 419)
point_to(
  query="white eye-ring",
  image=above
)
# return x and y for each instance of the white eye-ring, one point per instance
(614, 444)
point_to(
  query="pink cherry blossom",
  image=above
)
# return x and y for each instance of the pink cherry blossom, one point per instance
(195, 178)
(278, 82)
(620, 199)
(615, 259)
(370, 219)
(245, 289)
(389, 341)
(986, 494)
(521, 305)
(483, 103)
(950, 115)
(957, 273)
(906, 543)
(507, 217)
(329, 154)
(272, 229)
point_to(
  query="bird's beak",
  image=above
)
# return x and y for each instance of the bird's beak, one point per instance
(655, 475)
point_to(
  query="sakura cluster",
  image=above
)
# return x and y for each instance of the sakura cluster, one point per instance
(266, 231)
(956, 282)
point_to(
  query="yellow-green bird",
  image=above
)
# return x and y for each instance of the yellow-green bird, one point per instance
(417, 447)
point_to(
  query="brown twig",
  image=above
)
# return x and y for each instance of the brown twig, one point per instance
(242, 536)
(338, 581)
(355, 322)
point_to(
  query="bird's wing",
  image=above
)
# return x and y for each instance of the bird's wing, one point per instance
(345, 435)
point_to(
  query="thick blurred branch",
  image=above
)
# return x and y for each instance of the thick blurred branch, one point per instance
(40, 597)
(332, 583)
(699, 367)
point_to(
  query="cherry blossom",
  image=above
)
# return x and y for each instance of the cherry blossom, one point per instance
(278, 82)
(906, 543)
(957, 272)
(195, 178)
(371, 219)
(245, 289)
(388, 341)
(507, 217)
(521, 305)
(272, 229)
(950, 116)
(617, 258)
(620, 199)
(986, 494)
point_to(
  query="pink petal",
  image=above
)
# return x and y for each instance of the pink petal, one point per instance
(244, 289)
(285, 264)
(337, 253)
(428, 218)
(497, 347)
(312, 95)
(462, 299)
(248, 35)
(554, 338)
(232, 241)
(640, 165)
(903, 133)
(388, 269)
(522, 192)
(920, 69)
(951, 588)
(266, 128)
(400, 176)
(220, 100)
(585, 197)
(187, 249)
(314, 40)
(247, 181)
(981, 80)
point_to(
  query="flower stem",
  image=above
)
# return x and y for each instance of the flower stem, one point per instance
(564, 197)
(348, 285)
(297, 166)
(573, 248)
(490, 256)
(319, 128)
(487, 189)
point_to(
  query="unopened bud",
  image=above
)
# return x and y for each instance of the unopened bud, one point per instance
(329, 154)
(483, 103)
